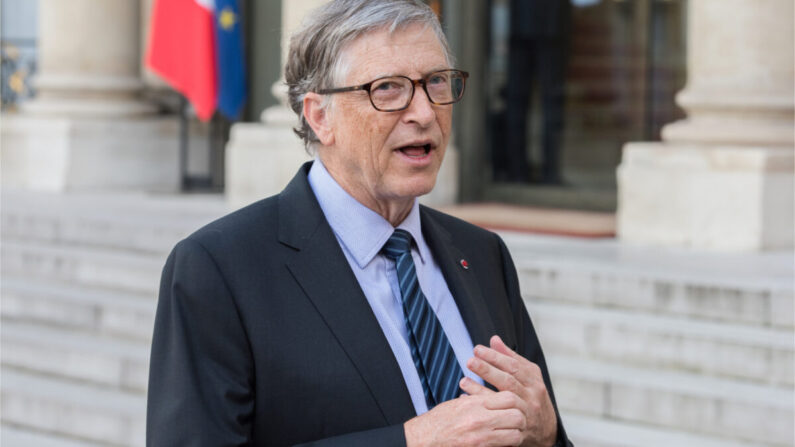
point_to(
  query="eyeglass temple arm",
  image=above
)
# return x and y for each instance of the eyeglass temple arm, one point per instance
(345, 89)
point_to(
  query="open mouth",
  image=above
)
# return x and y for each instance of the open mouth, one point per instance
(416, 151)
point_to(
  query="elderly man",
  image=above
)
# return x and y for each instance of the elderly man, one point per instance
(340, 312)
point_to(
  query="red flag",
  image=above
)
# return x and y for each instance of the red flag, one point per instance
(182, 50)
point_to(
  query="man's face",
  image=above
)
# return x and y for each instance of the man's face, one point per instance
(382, 157)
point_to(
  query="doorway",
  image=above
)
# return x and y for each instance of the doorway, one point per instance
(559, 86)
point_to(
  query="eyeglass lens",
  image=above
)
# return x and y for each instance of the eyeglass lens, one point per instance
(444, 87)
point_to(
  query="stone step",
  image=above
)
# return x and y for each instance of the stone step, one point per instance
(94, 310)
(746, 288)
(134, 221)
(13, 436)
(89, 266)
(57, 352)
(661, 342)
(586, 431)
(133, 233)
(674, 400)
(77, 410)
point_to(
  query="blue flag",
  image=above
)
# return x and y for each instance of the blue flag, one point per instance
(230, 64)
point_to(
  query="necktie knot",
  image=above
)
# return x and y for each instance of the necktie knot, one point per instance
(398, 244)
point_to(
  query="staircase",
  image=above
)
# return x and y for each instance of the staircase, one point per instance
(80, 276)
(646, 347)
(663, 347)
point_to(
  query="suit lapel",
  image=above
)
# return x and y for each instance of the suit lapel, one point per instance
(462, 282)
(323, 272)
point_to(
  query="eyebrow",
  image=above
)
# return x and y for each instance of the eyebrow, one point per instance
(433, 70)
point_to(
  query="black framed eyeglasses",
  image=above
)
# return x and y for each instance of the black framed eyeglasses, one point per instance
(394, 93)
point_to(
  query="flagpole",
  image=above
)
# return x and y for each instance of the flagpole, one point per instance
(183, 143)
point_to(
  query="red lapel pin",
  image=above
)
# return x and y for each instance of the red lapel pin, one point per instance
(464, 264)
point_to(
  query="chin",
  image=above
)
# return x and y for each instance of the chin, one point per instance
(418, 187)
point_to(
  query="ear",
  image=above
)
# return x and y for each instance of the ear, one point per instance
(318, 118)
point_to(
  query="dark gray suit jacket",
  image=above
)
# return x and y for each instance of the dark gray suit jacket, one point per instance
(264, 337)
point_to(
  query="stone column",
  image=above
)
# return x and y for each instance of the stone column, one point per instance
(87, 128)
(88, 59)
(722, 178)
(261, 158)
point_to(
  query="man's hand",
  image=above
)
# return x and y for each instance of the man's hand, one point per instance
(476, 420)
(513, 374)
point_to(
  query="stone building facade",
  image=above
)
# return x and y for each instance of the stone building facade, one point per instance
(677, 332)
(721, 178)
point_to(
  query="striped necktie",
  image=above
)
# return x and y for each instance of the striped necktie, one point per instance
(433, 356)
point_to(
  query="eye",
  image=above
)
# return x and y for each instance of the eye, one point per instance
(386, 86)
(437, 79)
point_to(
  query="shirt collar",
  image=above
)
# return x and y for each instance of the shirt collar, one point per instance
(361, 230)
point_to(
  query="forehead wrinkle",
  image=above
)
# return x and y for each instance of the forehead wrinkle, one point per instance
(385, 48)
(364, 77)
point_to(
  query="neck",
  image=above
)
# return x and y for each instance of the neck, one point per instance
(394, 210)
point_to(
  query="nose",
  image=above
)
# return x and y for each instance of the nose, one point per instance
(420, 109)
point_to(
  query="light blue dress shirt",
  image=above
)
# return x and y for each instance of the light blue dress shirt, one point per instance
(361, 232)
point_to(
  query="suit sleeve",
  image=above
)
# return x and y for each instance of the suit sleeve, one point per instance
(528, 344)
(200, 375)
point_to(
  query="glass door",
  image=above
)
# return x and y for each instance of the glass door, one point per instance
(566, 83)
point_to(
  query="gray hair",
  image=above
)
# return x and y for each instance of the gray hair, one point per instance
(315, 61)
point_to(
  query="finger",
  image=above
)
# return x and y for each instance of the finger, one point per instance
(508, 437)
(500, 379)
(473, 388)
(504, 400)
(508, 419)
(498, 345)
(501, 361)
